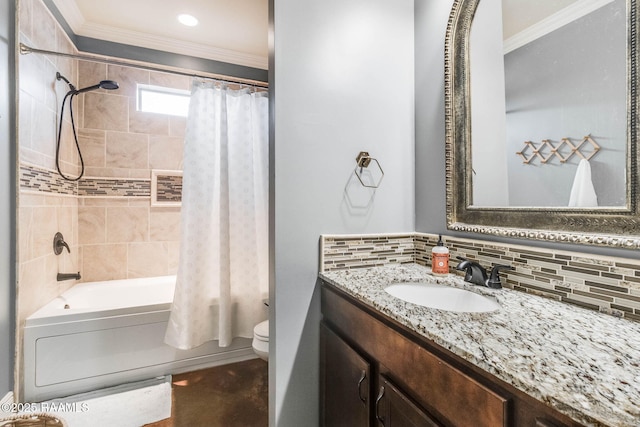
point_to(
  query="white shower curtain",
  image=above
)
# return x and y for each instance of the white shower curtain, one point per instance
(223, 267)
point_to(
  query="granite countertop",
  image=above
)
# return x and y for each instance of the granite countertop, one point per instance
(583, 363)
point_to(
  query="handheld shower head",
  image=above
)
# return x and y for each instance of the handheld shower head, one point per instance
(104, 84)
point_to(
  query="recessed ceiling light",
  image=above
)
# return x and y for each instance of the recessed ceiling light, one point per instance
(188, 20)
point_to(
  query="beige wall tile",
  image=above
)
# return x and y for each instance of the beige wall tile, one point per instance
(25, 112)
(147, 259)
(29, 199)
(90, 73)
(44, 34)
(164, 225)
(127, 224)
(139, 201)
(65, 216)
(105, 111)
(45, 227)
(174, 81)
(174, 257)
(127, 150)
(149, 123)
(104, 262)
(165, 152)
(30, 76)
(25, 17)
(177, 126)
(92, 224)
(25, 234)
(93, 145)
(43, 134)
(128, 79)
(104, 201)
(31, 282)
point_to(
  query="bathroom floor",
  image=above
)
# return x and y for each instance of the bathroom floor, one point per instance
(230, 395)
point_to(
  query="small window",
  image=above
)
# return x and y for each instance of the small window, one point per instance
(163, 100)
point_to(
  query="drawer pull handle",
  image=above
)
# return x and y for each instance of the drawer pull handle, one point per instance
(380, 396)
(362, 378)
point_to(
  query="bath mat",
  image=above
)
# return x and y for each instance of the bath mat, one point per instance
(127, 405)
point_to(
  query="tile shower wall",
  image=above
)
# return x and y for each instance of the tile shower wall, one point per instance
(607, 284)
(121, 234)
(106, 218)
(45, 205)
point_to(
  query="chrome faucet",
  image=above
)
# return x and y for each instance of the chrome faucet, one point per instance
(477, 274)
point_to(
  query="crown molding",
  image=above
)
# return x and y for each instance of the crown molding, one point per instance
(135, 38)
(81, 27)
(553, 22)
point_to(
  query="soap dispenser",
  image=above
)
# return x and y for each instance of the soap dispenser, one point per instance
(440, 259)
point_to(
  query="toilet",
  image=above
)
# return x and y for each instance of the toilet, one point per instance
(261, 340)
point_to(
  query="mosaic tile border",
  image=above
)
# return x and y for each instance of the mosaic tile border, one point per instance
(46, 181)
(37, 179)
(114, 187)
(607, 284)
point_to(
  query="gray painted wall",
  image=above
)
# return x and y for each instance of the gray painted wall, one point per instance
(579, 72)
(7, 194)
(488, 120)
(430, 28)
(343, 83)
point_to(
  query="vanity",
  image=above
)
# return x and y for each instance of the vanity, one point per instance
(533, 362)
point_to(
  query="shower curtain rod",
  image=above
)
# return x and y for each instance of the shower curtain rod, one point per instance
(24, 50)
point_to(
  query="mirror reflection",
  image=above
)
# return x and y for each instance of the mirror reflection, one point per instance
(548, 99)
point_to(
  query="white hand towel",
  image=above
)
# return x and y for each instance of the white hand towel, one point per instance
(582, 192)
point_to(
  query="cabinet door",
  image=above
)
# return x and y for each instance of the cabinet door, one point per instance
(394, 409)
(345, 390)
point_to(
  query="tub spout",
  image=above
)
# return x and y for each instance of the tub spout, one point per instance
(68, 276)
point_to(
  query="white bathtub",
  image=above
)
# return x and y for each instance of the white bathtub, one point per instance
(110, 333)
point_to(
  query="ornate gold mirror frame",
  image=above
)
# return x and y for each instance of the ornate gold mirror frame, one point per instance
(615, 227)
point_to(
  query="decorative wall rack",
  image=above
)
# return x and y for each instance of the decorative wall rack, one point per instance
(545, 150)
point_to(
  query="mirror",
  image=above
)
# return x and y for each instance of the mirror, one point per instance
(514, 145)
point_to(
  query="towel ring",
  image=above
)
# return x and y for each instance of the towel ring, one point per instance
(364, 161)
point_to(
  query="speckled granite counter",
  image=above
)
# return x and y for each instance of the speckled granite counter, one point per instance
(583, 363)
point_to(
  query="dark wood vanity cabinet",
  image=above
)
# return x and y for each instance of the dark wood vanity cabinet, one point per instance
(376, 372)
(345, 383)
(393, 408)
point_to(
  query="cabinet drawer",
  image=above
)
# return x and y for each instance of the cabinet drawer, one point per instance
(447, 392)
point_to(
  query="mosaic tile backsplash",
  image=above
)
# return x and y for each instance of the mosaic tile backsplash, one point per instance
(606, 284)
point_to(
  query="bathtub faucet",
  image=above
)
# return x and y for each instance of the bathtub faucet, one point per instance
(68, 276)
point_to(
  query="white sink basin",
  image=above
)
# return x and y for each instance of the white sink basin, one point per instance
(442, 297)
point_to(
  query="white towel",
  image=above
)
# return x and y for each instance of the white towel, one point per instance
(582, 192)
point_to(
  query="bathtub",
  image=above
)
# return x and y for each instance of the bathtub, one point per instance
(101, 334)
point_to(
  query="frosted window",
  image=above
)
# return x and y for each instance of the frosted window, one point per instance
(163, 100)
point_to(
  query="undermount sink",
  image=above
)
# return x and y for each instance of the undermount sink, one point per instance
(442, 297)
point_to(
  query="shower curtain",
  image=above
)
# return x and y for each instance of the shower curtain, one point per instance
(223, 265)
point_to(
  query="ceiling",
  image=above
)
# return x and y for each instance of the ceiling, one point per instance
(521, 14)
(233, 31)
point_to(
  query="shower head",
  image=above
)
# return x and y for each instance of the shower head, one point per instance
(104, 84)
